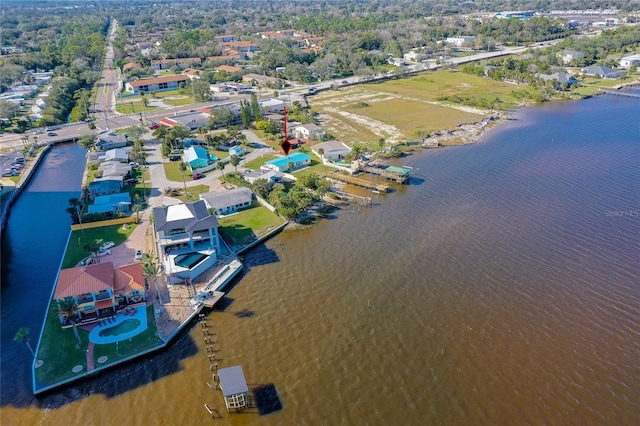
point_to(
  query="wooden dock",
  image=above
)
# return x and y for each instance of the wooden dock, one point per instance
(625, 94)
(382, 187)
(396, 174)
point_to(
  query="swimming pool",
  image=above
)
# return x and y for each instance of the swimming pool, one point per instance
(122, 328)
(189, 260)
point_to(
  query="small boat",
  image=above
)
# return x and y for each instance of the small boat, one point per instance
(375, 191)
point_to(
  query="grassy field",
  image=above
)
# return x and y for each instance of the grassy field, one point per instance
(133, 107)
(75, 253)
(248, 225)
(316, 167)
(172, 170)
(179, 102)
(406, 109)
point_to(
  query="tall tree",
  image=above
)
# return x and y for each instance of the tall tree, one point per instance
(69, 308)
(255, 107)
(234, 160)
(183, 168)
(23, 336)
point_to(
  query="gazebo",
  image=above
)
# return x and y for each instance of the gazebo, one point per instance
(234, 388)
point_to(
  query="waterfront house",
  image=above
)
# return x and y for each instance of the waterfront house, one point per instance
(234, 387)
(289, 163)
(117, 154)
(601, 71)
(196, 157)
(159, 84)
(109, 140)
(559, 79)
(309, 131)
(100, 290)
(111, 204)
(331, 150)
(113, 170)
(227, 202)
(104, 187)
(187, 239)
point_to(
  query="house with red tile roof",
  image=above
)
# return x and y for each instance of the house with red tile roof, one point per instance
(100, 290)
(165, 64)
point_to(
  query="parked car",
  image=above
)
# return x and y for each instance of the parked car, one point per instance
(104, 252)
(107, 245)
(154, 126)
(138, 255)
(133, 164)
(38, 132)
(86, 261)
(52, 134)
(9, 173)
(20, 160)
(197, 176)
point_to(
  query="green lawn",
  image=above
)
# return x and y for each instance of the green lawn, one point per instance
(255, 164)
(193, 192)
(248, 225)
(172, 170)
(316, 167)
(75, 253)
(179, 102)
(133, 107)
(59, 352)
(140, 187)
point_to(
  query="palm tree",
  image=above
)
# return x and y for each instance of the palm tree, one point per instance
(136, 208)
(150, 269)
(234, 160)
(23, 336)
(220, 166)
(183, 169)
(69, 308)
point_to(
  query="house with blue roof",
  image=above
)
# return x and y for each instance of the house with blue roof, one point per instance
(196, 157)
(111, 204)
(104, 187)
(291, 162)
(236, 150)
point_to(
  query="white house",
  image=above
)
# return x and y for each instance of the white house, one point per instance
(269, 105)
(187, 239)
(415, 56)
(309, 131)
(227, 202)
(459, 41)
(571, 55)
(331, 150)
(627, 62)
(116, 154)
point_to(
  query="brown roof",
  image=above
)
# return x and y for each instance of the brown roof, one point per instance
(87, 279)
(98, 277)
(129, 278)
(228, 68)
(129, 65)
(158, 80)
(106, 303)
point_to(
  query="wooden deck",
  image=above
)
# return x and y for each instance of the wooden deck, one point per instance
(390, 174)
(382, 187)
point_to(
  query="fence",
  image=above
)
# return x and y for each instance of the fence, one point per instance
(102, 223)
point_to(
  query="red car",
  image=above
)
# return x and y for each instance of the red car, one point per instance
(154, 126)
(197, 176)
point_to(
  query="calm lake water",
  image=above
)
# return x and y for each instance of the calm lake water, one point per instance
(502, 286)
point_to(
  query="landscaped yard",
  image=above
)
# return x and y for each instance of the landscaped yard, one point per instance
(172, 170)
(132, 107)
(316, 167)
(60, 354)
(248, 225)
(75, 253)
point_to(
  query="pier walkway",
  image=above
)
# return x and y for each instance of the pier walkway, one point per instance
(625, 94)
(382, 187)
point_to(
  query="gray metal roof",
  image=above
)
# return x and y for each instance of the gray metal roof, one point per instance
(232, 381)
(199, 219)
(221, 199)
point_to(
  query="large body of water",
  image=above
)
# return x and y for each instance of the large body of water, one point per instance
(501, 287)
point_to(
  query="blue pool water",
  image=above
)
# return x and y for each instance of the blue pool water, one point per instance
(189, 260)
(121, 328)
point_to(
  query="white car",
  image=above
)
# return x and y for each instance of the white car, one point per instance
(138, 255)
(107, 245)
(104, 252)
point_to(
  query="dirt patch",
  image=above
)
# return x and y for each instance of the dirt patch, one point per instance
(380, 129)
